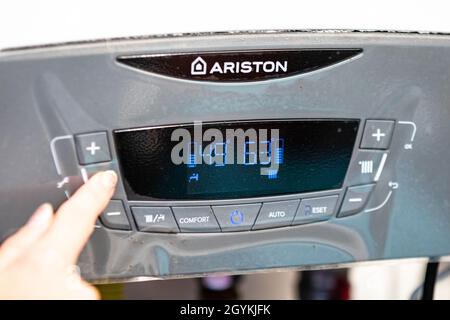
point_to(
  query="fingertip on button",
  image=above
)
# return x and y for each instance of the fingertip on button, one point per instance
(108, 178)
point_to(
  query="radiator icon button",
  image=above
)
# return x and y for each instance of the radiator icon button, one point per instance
(154, 219)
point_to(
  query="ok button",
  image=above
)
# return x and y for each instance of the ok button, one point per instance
(238, 217)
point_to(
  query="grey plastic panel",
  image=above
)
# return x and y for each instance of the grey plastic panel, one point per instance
(48, 95)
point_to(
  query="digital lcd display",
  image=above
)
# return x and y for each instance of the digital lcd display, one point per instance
(240, 159)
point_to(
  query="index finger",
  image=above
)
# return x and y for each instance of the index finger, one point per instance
(75, 219)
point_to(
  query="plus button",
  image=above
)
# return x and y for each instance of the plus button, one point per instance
(378, 135)
(93, 148)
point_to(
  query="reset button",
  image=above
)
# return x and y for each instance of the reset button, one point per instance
(315, 209)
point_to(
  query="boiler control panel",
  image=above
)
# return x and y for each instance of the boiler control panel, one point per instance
(235, 152)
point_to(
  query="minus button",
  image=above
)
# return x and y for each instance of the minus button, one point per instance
(114, 213)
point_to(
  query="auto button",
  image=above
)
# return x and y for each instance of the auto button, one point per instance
(276, 214)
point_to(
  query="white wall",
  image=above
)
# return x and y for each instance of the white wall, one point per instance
(33, 22)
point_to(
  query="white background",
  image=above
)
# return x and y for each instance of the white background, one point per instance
(45, 21)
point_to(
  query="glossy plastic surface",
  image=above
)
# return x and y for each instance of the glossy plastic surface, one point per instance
(47, 95)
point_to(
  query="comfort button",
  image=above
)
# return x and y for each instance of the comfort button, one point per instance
(276, 214)
(196, 219)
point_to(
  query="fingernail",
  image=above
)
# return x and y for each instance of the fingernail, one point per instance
(42, 215)
(108, 179)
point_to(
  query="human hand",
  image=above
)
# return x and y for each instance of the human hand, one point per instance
(38, 261)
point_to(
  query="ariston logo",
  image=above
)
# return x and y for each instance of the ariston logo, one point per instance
(200, 67)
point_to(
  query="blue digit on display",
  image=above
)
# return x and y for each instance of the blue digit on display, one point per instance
(249, 154)
(279, 152)
(208, 155)
(267, 152)
(273, 174)
(220, 154)
(192, 155)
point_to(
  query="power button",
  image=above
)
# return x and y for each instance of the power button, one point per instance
(237, 217)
